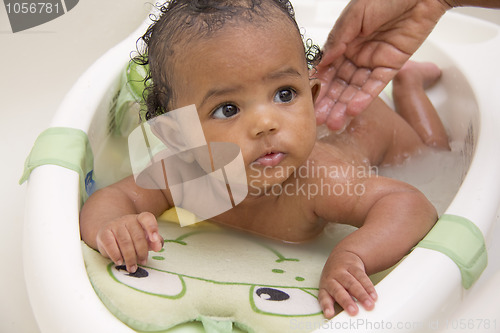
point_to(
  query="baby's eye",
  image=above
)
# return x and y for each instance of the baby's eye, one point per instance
(284, 95)
(225, 111)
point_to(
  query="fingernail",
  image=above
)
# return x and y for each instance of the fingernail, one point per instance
(374, 296)
(133, 268)
(154, 237)
(351, 310)
(143, 262)
(368, 303)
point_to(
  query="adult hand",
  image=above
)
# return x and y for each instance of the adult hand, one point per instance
(370, 42)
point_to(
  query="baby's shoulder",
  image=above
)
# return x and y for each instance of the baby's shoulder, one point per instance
(328, 156)
(337, 182)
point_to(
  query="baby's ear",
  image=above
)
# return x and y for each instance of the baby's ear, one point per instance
(180, 130)
(167, 129)
(315, 85)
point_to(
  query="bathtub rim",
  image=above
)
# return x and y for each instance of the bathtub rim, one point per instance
(43, 217)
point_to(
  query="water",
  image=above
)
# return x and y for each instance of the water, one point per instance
(437, 174)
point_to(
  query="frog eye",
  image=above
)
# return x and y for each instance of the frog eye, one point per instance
(150, 281)
(284, 301)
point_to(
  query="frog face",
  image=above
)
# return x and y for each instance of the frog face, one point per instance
(212, 273)
(263, 299)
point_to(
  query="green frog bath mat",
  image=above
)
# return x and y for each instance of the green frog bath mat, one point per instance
(219, 277)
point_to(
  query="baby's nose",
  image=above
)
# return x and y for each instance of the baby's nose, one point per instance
(266, 123)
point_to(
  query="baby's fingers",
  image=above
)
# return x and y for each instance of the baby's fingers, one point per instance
(358, 291)
(365, 291)
(108, 247)
(341, 295)
(133, 250)
(150, 227)
(327, 303)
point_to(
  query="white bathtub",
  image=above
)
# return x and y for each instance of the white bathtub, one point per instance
(424, 288)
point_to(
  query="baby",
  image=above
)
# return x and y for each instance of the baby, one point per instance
(242, 64)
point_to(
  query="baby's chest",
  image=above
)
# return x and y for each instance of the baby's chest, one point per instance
(292, 221)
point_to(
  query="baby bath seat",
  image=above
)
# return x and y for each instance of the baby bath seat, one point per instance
(424, 288)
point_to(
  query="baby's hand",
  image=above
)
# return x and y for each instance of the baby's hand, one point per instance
(129, 238)
(343, 278)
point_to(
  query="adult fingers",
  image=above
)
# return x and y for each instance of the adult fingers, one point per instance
(345, 97)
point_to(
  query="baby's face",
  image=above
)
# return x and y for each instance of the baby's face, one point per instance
(251, 87)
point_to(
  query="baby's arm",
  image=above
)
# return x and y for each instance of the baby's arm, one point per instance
(120, 222)
(392, 218)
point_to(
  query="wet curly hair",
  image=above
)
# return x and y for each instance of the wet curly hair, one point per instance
(181, 21)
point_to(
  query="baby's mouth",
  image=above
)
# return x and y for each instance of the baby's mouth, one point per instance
(270, 159)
